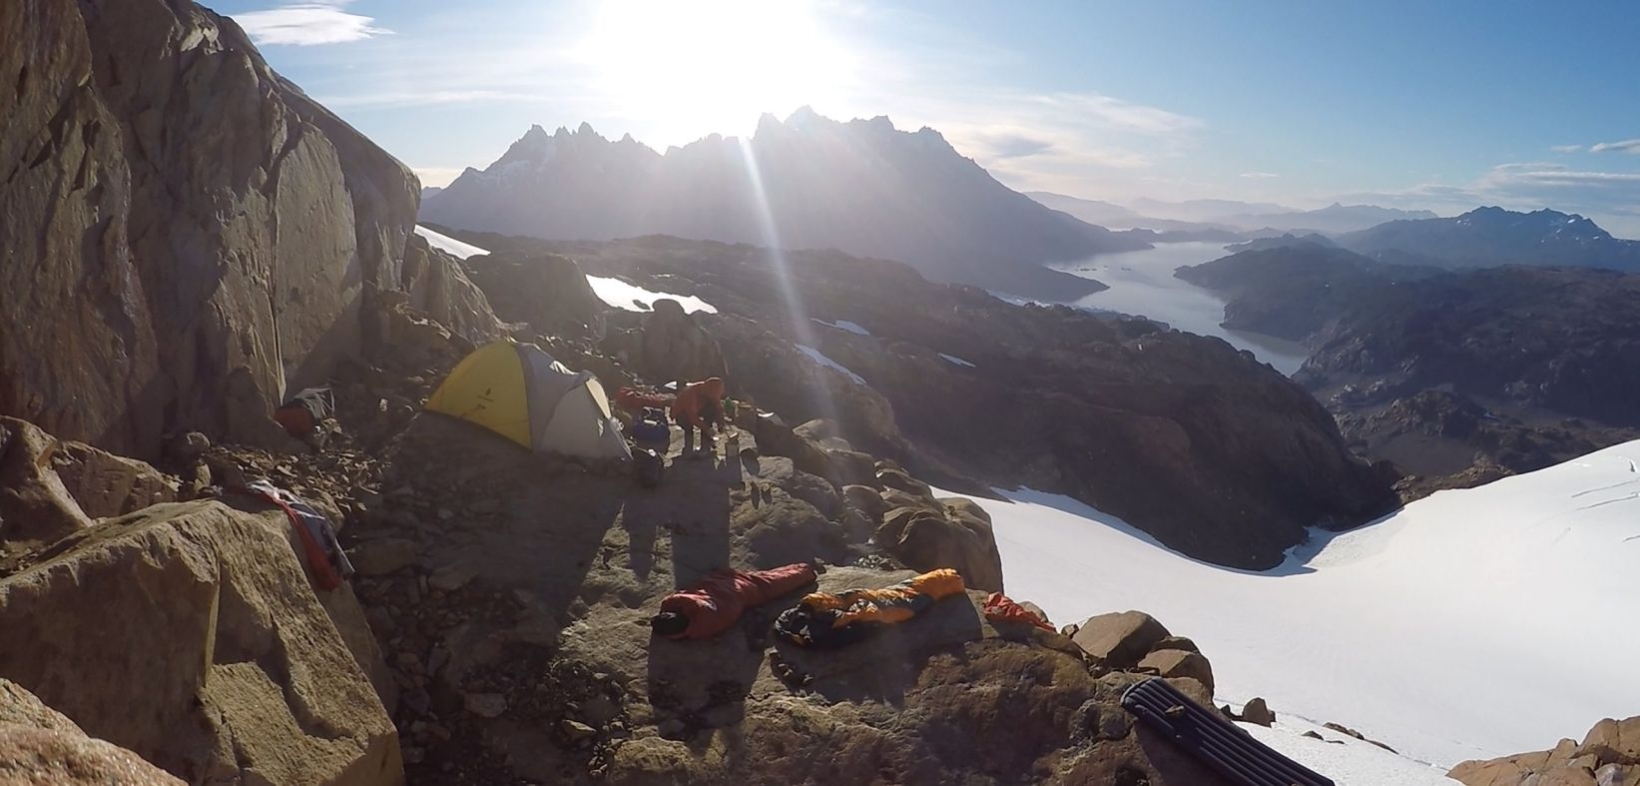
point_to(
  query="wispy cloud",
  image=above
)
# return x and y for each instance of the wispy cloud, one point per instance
(1567, 148)
(307, 24)
(1259, 175)
(1018, 146)
(1625, 146)
(1121, 114)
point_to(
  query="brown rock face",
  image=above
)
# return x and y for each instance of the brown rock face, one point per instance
(439, 287)
(35, 506)
(189, 634)
(1257, 711)
(174, 212)
(108, 485)
(1119, 639)
(1179, 663)
(672, 345)
(1613, 741)
(49, 488)
(1608, 756)
(953, 533)
(40, 746)
(548, 291)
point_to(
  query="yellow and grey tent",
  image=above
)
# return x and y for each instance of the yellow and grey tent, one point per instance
(520, 392)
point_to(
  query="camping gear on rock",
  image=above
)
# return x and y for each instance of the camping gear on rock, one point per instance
(305, 410)
(1213, 739)
(635, 401)
(714, 604)
(1001, 608)
(648, 467)
(652, 432)
(322, 551)
(825, 620)
(520, 392)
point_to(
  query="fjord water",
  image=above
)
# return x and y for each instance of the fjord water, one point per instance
(1142, 283)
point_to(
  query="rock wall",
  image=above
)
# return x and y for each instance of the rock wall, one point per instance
(548, 291)
(175, 211)
(40, 746)
(1608, 756)
(189, 634)
(50, 488)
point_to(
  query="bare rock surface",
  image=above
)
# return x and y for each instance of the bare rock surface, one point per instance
(176, 213)
(189, 634)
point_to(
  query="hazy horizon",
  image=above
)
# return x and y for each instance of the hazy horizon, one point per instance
(1443, 108)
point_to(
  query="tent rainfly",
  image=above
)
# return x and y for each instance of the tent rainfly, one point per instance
(522, 393)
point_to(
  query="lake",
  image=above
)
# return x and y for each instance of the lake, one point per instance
(1142, 283)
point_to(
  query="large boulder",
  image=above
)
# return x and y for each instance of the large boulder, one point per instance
(547, 291)
(1174, 664)
(955, 534)
(1257, 711)
(38, 745)
(775, 438)
(439, 287)
(35, 506)
(673, 345)
(108, 485)
(189, 633)
(1119, 640)
(1608, 756)
(1613, 741)
(175, 212)
(49, 487)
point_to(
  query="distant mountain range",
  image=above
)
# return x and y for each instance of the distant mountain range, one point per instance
(1332, 219)
(1251, 219)
(1109, 214)
(1205, 210)
(1281, 241)
(862, 187)
(1491, 236)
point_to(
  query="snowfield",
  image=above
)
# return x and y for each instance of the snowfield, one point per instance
(1471, 624)
(613, 291)
(820, 358)
(954, 360)
(449, 245)
(1345, 759)
(843, 324)
(632, 297)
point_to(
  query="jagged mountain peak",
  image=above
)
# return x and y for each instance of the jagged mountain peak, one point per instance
(861, 186)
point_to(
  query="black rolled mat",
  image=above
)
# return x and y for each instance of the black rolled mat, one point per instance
(1211, 737)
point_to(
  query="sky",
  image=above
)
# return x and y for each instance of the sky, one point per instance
(1435, 105)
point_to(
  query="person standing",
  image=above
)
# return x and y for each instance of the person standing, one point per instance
(699, 407)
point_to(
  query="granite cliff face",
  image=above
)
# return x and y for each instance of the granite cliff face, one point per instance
(176, 215)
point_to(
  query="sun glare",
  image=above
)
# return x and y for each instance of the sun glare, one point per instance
(691, 69)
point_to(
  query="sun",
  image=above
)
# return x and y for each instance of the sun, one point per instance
(693, 68)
